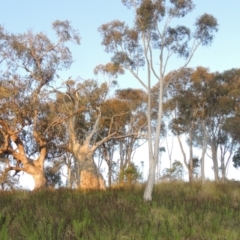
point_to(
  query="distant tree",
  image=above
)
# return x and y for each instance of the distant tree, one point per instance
(174, 173)
(152, 36)
(186, 108)
(223, 102)
(137, 122)
(130, 174)
(202, 107)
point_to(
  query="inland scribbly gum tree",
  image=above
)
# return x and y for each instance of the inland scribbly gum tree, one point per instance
(92, 119)
(151, 42)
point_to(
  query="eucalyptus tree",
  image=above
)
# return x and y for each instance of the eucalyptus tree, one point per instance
(223, 105)
(176, 172)
(136, 102)
(215, 106)
(151, 42)
(91, 119)
(113, 107)
(202, 106)
(180, 104)
(80, 109)
(28, 113)
(186, 106)
(201, 79)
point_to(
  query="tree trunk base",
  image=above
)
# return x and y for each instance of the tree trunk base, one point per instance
(40, 181)
(90, 181)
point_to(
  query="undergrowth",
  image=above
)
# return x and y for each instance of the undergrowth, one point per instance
(177, 211)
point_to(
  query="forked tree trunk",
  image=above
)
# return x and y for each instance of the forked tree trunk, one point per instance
(90, 177)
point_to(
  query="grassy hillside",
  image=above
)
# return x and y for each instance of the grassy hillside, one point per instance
(178, 211)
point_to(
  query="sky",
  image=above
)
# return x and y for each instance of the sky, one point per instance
(87, 16)
(18, 16)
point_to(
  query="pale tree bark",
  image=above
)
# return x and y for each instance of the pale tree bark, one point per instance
(204, 149)
(185, 159)
(69, 162)
(188, 164)
(169, 152)
(190, 155)
(215, 160)
(109, 160)
(225, 160)
(69, 176)
(222, 162)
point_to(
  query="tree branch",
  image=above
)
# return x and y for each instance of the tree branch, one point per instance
(89, 137)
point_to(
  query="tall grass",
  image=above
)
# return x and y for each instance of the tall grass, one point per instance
(178, 211)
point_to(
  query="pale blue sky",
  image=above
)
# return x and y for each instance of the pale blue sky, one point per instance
(87, 16)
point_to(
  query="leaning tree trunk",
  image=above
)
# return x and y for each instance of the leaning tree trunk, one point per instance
(90, 177)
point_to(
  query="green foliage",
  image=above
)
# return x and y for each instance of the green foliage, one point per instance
(178, 211)
(206, 26)
(196, 165)
(145, 15)
(176, 172)
(4, 223)
(236, 159)
(130, 174)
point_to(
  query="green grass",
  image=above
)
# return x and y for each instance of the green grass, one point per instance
(178, 211)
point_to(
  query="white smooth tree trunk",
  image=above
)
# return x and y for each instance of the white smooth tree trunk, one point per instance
(215, 161)
(204, 149)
